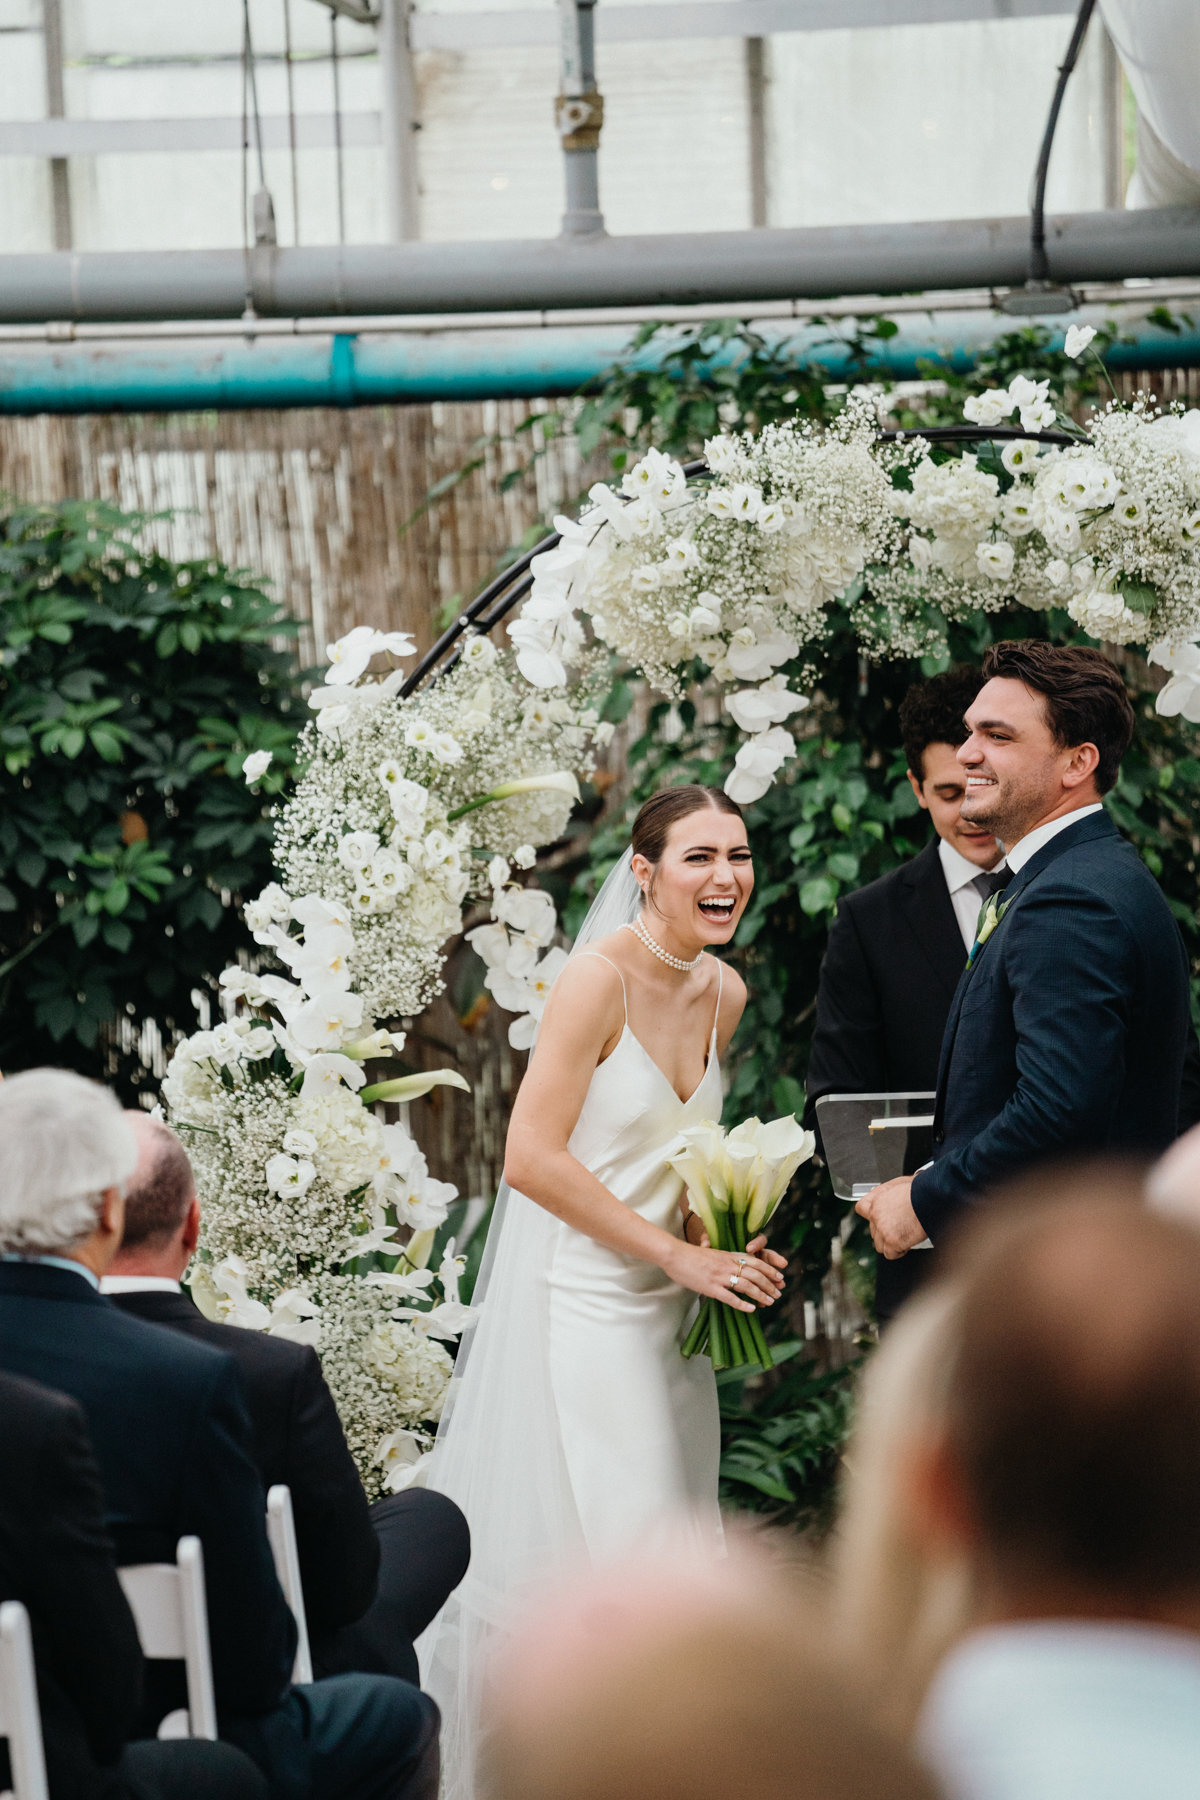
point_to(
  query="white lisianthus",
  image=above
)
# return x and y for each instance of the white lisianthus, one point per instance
(478, 653)
(356, 849)
(603, 733)
(300, 1143)
(1130, 512)
(1078, 339)
(287, 1175)
(256, 765)
(994, 560)
(989, 408)
(745, 501)
(1019, 455)
(722, 455)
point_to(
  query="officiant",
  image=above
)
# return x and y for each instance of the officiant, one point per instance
(897, 947)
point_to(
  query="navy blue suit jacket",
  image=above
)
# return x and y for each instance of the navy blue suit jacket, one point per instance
(1067, 1033)
(172, 1437)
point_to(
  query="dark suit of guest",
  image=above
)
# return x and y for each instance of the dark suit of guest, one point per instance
(1067, 1035)
(298, 1439)
(893, 961)
(57, 1560)
(169, 1427)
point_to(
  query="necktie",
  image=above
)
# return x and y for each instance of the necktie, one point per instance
(988, 884)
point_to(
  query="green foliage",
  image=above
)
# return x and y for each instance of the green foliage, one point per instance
(781, 1436)
(131, 690)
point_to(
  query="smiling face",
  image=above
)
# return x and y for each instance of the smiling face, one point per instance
(1017, 776)
(941, 791)
(698, 890)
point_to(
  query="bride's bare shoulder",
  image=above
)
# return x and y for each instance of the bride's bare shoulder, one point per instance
(593, 980)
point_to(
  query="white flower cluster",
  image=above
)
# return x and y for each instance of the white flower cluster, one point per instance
(1108, 528)
(371, 826)
(735, 572)
(521, 967)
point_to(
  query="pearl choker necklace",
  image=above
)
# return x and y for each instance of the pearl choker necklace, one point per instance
(674, 962)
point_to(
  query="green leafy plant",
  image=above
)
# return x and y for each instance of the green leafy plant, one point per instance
(131, 690)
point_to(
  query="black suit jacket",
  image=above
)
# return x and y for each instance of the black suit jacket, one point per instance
(169, 1428)
(1068, 1033)
(57, 1560)
(894, 957)
(298, 1439)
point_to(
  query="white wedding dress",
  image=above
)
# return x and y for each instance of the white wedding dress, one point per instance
(575, 1431)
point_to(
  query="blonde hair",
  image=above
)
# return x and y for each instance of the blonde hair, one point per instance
(897, 1611)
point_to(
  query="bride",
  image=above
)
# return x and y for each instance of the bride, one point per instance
(574, 1429)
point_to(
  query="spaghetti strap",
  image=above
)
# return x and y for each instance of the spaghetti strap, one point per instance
(600, 957)
(720, 980)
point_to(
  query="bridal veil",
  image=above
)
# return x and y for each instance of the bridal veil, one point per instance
(499, 1452)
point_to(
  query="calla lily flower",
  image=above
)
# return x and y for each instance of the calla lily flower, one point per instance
(411, 1087)
(561, 781)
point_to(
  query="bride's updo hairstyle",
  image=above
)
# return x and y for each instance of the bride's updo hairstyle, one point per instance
(652, 827)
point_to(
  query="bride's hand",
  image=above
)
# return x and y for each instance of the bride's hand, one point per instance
(712, 1272)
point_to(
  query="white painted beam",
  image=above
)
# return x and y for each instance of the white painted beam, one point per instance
(101, 137)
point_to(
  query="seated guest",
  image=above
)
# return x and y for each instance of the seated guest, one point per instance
(657, 1683)
(169, 1427)
(1066, 1474)
(898, 946)
(56, 1559)
(298, 1439)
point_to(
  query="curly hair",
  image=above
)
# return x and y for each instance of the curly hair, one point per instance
(932, 713)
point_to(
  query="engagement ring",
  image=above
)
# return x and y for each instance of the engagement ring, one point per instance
(733, 1281)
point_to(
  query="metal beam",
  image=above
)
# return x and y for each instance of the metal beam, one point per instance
(537, 274)
(527, 27)
(122, 137)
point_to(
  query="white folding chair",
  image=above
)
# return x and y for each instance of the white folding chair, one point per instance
(281, 1529)
(20, 1720)
(171, 1614)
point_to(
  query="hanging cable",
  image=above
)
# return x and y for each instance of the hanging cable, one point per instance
(337, 124)
(264, 207)
(291, 100)
(1039, 267)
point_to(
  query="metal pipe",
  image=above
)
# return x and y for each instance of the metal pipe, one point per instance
(578, 116)
(399, 122)
(600, 271)
(340, 369)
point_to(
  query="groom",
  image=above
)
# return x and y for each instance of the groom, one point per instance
(1067, 1030)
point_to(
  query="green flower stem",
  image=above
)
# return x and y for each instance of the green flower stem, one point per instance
(718, 1349)
(460, 812)
(693, 1341)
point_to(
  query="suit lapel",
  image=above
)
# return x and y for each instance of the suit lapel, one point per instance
(929, 910)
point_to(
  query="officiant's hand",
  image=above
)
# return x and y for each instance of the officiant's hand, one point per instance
(888, 1209)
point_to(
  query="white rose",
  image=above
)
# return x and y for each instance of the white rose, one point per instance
(258, 1043)
(300, 1143)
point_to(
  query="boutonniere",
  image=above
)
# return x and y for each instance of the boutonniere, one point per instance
(989, 918)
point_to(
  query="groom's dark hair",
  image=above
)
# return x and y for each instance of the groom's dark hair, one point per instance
(1084, 693)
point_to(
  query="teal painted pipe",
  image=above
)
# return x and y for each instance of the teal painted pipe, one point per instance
(220, 374)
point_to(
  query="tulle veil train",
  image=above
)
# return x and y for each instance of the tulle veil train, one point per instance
(499, 1453)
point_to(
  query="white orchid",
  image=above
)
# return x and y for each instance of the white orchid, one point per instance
(1181, 695)
(234, 1305)
(401, 1455)
(447, 1320)
(297, 1318)
(989, 408)
(328, 1070)
(350, 655)
(756, 709)
(755, 660)
(322, 1022)
(756, 763)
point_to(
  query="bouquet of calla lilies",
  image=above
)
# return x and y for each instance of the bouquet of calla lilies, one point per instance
(734, 1183)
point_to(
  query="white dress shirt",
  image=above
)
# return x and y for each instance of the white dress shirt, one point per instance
(964, 898)
(1032, 842)
(1063, 1709)
(139, 1284)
